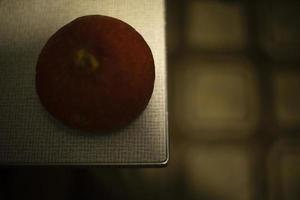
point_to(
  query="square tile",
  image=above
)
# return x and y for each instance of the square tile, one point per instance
(287, 98)
(280, 29)
(215, 25)
(219, 172)
(214, 98)
(285, 178)
(290, 171)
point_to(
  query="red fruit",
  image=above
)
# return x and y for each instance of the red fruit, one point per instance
(95, 73)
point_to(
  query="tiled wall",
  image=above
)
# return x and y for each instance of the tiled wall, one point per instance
(234, 84)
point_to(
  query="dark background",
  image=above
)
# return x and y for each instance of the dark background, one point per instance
(234, 104)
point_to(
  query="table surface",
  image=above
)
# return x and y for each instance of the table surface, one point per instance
(28, 135)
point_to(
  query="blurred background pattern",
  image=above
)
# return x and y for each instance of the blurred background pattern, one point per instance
(234, 111)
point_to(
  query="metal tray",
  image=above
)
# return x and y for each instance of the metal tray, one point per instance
(28, 135)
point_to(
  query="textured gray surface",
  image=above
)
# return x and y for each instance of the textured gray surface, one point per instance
(28, 135)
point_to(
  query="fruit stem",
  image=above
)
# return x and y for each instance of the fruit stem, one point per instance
(85, 59)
